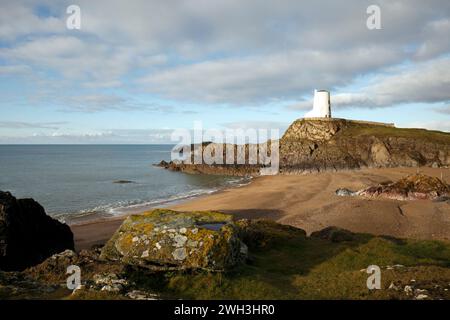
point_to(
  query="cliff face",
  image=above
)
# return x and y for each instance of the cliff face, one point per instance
(319, 144)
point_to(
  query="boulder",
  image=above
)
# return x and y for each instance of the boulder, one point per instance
(344, 192)
(169, 240)
(27, 234)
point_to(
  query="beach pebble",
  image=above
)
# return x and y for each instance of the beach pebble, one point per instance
(408, 290)
(344, 192)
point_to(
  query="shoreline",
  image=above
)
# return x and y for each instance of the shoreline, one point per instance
(309, 202)
(94, 216)
(91, 232)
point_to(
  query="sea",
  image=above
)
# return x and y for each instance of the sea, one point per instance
(77, 183)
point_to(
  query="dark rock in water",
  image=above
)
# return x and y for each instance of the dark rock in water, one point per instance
(333, 234)
(163, 164)
(123, 181)
(343, 192)
(168, 240)
(27, 234)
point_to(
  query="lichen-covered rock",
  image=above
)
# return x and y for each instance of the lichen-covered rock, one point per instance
(169, 240)
(110, 282)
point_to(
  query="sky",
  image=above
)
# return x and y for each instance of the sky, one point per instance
(136, 70)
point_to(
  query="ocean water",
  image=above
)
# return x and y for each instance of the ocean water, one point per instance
(76, 182)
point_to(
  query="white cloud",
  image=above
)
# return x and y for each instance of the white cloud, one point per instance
(28, 125)
(18, 19)
(440, 125)
(230, 52)
(111, 136)
(423, 82)
(261, 79)
(268, 52)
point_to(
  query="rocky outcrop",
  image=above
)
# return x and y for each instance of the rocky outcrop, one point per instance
(336, 144)
(27, 234)
(314, 145)
(225, 170)
(170, 240)
(412, 187)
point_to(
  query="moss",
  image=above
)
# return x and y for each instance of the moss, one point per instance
(283, 264)
(154, 238)
(286, 264)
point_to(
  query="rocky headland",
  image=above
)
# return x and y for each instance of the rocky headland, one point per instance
(317, 145)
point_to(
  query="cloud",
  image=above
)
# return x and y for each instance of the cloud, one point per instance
(31, 125)
(18, 19)
(109, 136)
(262, 79)
(444, 110)
(265, 125)
(435, 41)
(222, 53)
(191, 51)
(14, 70)
(440, 125)
(423, 83)
(111, 102)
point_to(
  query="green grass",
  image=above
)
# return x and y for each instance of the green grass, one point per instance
(356, 130)
(292, 266)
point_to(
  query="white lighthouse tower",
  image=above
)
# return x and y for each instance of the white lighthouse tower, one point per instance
(321, 105)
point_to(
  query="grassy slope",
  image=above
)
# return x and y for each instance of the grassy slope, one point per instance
(291, 266)
(283, 264)
(356, 130)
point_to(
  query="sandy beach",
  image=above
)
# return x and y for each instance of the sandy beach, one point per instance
(309, 202)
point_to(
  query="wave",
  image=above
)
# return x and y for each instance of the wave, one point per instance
(122, 208)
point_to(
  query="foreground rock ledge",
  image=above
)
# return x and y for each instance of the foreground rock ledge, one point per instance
(170, 240)
(27, 234)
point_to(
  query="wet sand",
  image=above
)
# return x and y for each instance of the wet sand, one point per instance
(309, 202)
